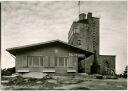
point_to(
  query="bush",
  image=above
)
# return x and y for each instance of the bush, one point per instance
(99, 77)
(125, 73)
(7, 72)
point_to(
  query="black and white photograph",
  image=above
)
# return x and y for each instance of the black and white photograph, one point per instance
(64, 45)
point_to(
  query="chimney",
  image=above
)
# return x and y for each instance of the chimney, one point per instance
(82, 16)
(89, 15)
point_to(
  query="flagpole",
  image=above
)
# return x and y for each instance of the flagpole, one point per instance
(79, 6)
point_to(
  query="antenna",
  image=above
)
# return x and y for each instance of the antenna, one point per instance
(79, 6)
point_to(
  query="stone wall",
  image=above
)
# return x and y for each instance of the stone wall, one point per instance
(88, 64)
(107, 64)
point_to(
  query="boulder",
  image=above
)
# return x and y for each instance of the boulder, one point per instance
(4, 82)
(110, 77)
(38, 82)
(52, 81)
(37, 75)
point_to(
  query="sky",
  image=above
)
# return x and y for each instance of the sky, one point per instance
(28, 22)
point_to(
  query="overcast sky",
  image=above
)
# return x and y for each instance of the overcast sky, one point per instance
(33, 22)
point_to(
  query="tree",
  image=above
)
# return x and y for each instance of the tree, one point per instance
(125, 72)
(7, 72)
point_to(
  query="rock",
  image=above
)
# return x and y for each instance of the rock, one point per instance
(83, 74)
(52, 81)
(110, 77)
(26, 80)
(60, 78)
(12, 76)
(120, 86)
(48, 77)
(38, 82)
(5, 81)
(98, 76)
(37, 75)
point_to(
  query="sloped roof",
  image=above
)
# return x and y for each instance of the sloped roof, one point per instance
(15, 50)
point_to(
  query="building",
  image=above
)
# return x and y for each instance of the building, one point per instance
(80, 54)
(53, 56)
(84, 34)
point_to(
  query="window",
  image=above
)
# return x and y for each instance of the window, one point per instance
(35, 61)
(41, 61)
(66, 59)
(51, 61)
(61, 61)
(72, 61)
(45, 62)
(24, 61)
(30, 61)
(48, 61)
(56, 61)
(71, 64)
(18, 62)
(76, 30)
(79, 42)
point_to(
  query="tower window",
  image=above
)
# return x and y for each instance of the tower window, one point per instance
(79, 42)
(72, 43)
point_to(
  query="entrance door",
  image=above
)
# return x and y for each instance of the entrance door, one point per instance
(81, 65)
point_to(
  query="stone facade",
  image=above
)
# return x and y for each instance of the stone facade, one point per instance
(107, 64)
(84, 33)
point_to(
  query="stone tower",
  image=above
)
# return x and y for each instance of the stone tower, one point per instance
(85, 33)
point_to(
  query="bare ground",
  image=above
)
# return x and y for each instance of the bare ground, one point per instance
(98, 84)
(86, 84)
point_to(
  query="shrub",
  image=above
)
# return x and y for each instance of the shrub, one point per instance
(7, 72)
(125, 73)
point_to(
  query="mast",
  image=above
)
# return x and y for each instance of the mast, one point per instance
(79, 6)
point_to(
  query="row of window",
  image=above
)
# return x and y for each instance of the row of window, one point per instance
(46, 61)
